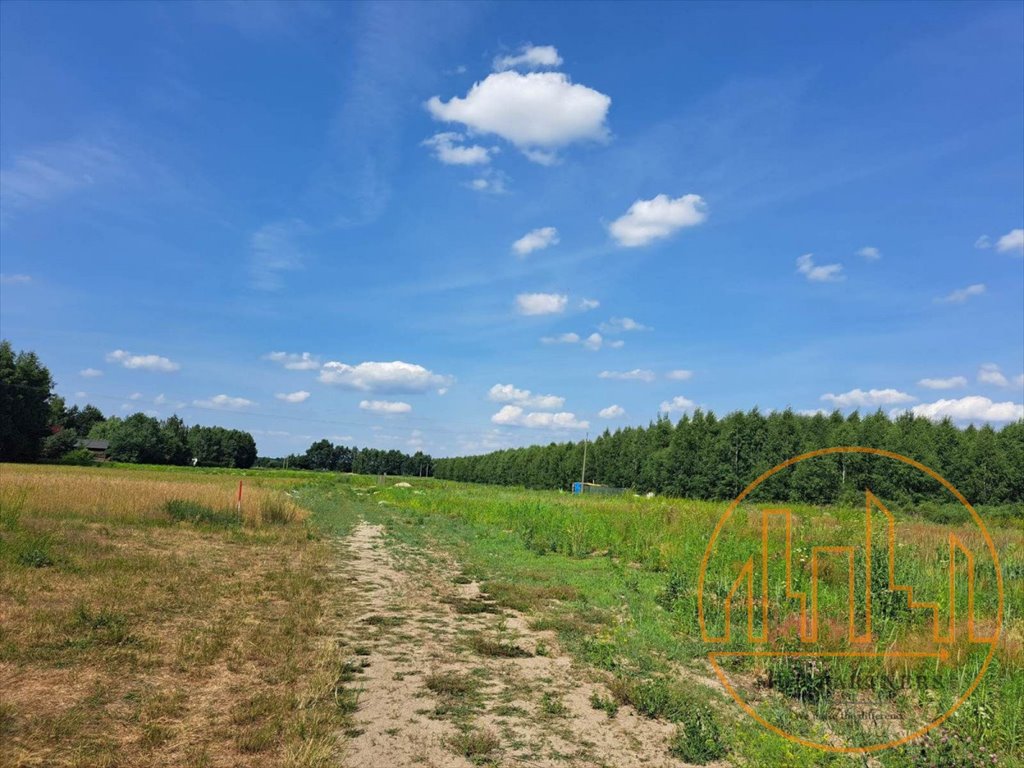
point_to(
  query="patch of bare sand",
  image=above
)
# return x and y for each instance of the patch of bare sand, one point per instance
(412, 623)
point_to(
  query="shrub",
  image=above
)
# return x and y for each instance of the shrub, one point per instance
(806, 679)
(79, 457)
(698, 740)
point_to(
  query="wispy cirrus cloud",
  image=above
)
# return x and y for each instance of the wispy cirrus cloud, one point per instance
(273, 251)
(15, 279)
(952, 382)
(637, 374)
(960, 295)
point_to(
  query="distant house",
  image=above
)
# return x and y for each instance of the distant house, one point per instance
(98, 448)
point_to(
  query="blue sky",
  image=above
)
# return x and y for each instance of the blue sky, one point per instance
(468, 226)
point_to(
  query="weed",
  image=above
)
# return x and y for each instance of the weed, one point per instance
(698, 740)
(606, 703)
(475, 744)
(451, 684)
(184, 510)
(488, 647)
(553, 706)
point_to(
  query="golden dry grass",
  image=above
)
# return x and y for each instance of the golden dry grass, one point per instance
(127, 638)
(134, 495)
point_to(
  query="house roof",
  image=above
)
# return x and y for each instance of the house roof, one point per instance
(94, 445)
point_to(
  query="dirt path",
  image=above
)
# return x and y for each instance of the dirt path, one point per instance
(448, 679)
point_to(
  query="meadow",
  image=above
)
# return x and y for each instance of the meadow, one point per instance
(144, 622)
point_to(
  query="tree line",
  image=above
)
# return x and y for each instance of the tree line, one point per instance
(326, 457)
(35, 423)
(705, 457)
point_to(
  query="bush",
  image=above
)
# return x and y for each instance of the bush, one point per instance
(698, 740)
(806, 679)
(80, 457)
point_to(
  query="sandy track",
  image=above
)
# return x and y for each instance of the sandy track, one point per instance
(409, 631)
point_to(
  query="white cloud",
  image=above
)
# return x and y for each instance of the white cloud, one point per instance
(637, 374)
(622, 325)
(90, 373)
(534, 111)
(449, 150)
(970, 408)
(507, 393)
(588, 304)
(14, 279)
(677, 404)
(593, 342)
(659, 217)
(536, 240)
(273, 251)
(223, 401)
(1012, 241)
(562, 338)
(960, 295)
(385, 406)
(513, 415)
(989, 373)
(294, 361)
(983, 242)
(162, 400)
(825, 273)
(530, 57)
(612, 412)
(541, 303)
(812, 412)
(1018, 380)
(491, 182)
(135, 396)
(142, 362)
(680, 374)
(391, 377)
(293, 397)
(870, 253)
(951, 383)
(858, 398)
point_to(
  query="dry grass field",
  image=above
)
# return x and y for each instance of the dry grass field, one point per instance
(143, 623)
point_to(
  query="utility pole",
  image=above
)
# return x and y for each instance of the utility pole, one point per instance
(583, 475)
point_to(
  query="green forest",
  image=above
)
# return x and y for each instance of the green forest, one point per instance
(705, 457)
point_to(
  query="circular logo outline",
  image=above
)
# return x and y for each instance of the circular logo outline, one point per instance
(992, 644)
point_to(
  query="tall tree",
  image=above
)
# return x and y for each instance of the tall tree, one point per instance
(25, 386)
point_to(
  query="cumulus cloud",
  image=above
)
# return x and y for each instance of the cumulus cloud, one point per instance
(293, 397)
(90, 373)
(449, 149)
(515, 416)
(952, 382)
(392, 377)
(612, 412)
(530, 57)
(14, 279)
(680, 374)
(657, 218)
(637, 374)
(970, 408)
(960, 295)
(1011, 242)
(562, 338)
(294, 361)
(541, 303)
(142, 362)
(859, 398)
(622, 325)
(223, 401)
(385, 406)
(538, 112)
(535, 240)
(507, 393)
(824, 273)
(677, 404)
(870, 253)
(989, 373)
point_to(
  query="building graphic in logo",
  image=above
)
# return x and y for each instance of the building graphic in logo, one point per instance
(847, 619)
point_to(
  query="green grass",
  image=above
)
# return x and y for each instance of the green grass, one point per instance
(616, 579)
